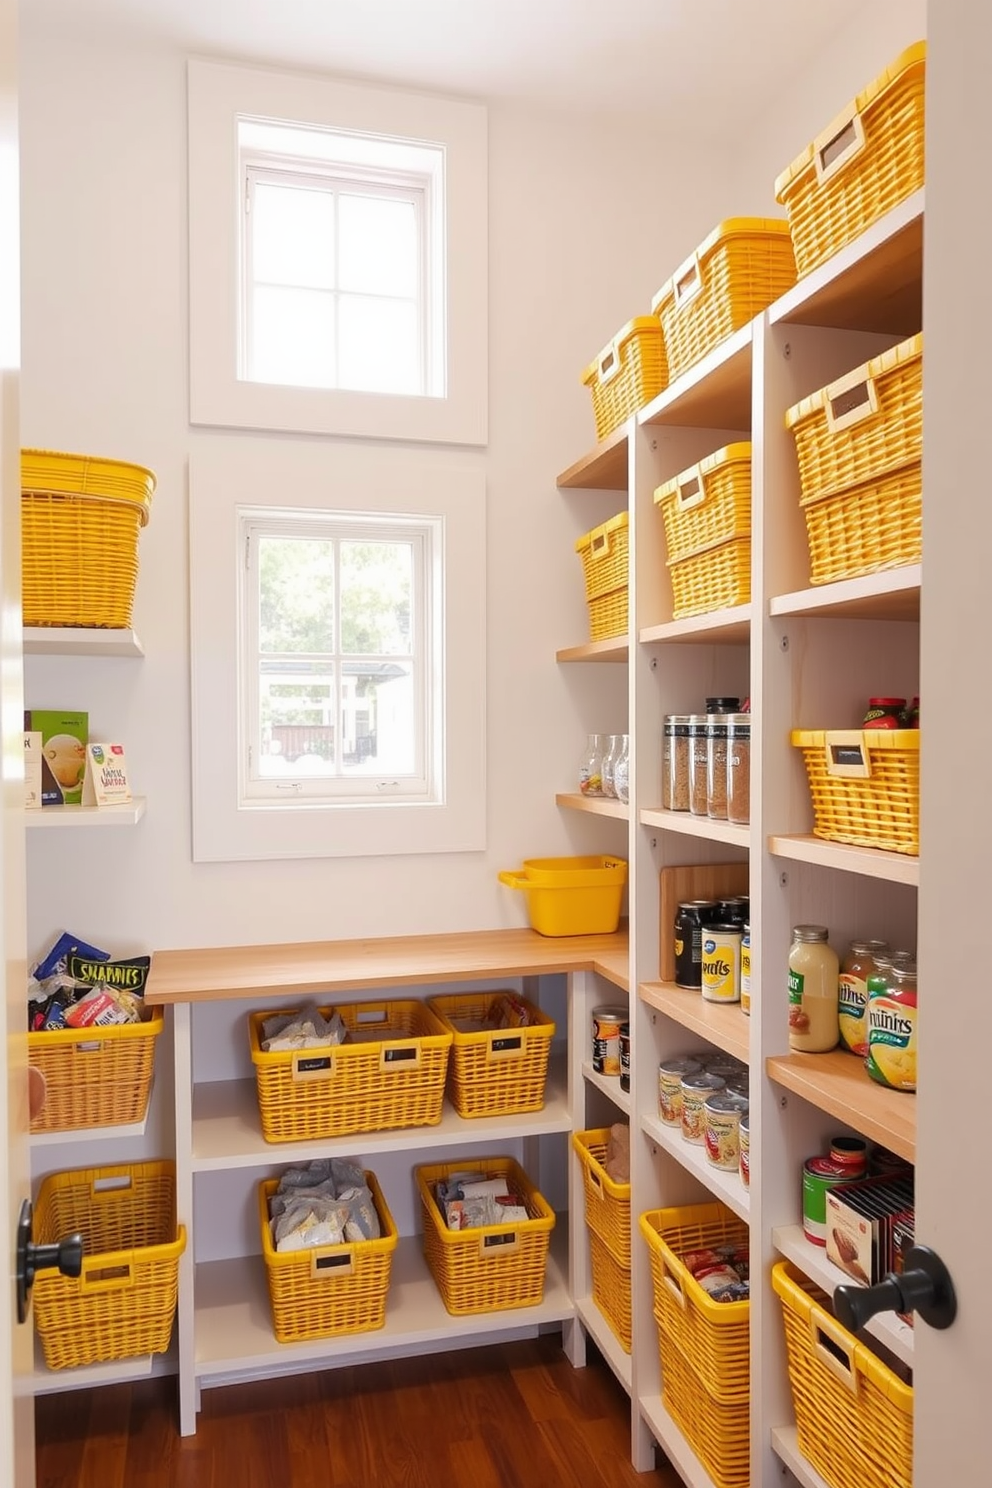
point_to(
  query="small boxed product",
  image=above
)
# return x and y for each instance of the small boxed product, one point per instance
(64, 737)
(859, 1225)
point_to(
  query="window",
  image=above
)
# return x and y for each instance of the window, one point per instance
(338, 258)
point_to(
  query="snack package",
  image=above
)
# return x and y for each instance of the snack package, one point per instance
(56, 959)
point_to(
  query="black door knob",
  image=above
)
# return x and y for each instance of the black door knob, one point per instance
(924, 1286)
(66, 1255)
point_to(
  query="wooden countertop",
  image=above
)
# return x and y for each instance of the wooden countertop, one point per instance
(315, 967)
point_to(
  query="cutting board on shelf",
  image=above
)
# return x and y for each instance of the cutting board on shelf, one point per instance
(693, 881)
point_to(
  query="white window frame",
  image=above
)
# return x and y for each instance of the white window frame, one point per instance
(219, 94)
(231, 472)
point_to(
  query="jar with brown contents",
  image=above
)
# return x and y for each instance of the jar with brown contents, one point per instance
(739, 768)
(698, 761)
(716, 766)
(675, 763)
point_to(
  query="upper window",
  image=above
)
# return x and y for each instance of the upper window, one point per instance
(338, 258)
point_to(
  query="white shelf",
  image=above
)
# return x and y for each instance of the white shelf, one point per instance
(673, 1443)
(610, 1086)
(726, 627)
(90, 1133)
(57, 818)
(233, 1323)
(66, 640)
(696, 826)
(605, 1340)
(785, 1445)
(812, 1260)
(870, 862)
(713, 394)
(47, 1381)
(723, 1185)
(227, 1130)
(893, 594)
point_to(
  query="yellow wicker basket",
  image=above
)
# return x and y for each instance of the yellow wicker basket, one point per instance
(330, 1290)
(124, 1301)
(869, 528)
(80, 520)
(611, 1291)
(863, 164)
(389, 1074)
(719, 1433)
(605, 557)
(629, 371)
(708, 503)
(494, 1071)
(865, 785)
(95, 1077)
(714, 579)
(607, 1202)
(491, 1267)
(737, 272)
(853, 1414)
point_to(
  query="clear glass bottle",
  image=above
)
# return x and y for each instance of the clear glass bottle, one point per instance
(610, 747)
(675, 763)
(698, 756)
(621, 770)
(591, 768)
(813, 976)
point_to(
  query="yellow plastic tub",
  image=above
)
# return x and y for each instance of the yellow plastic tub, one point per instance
(571, 896)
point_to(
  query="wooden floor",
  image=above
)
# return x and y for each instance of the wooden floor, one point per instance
(507, 1416)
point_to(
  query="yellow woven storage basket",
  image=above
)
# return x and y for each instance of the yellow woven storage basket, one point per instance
(491, 1267)
(571, 896)
(714, 579)
(607, 1202)
(708, 503)
(865, 785)
(737, 272)
(863, 164)
(629, 371)
(719, 1434)
(605, 556)
(390, 1073)
(333, 1289)
(854, 1416)
(859, 442)
(494, 1071)
(124, 1301)
(80, 520)
(95, 1077)
(611, 1291)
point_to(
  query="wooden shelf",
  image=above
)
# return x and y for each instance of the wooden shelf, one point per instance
(673, 1443)
(785, 1445)
(613, 649)
(615, 967)
(696, 826)
(722, 1024)
(893, 594)
(812, 1261)
(610, 1086)
(870, 862)
(721, 627)
(723, 1185)
(838, 1084)
(714, 394)
(597, 805)
(872, 284)
(65, 640)
(58, 817)
(602, 469)
(234, 1318)
(605, 1340)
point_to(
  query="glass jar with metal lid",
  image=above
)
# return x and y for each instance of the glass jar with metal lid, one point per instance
(698, 759)
(813, 972)
(675, 765)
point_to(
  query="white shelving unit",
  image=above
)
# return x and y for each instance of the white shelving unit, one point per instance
(72, 818)
(65, 640)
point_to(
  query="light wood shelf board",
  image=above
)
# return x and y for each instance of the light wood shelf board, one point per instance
(605, 1340)
(71, 640)
(838, 1084)
(872, 284)
(614, 648)
(615, 967)
(870, 862)
(889, 1329)
(722, 1024)
(602, 469)
(610, 1086)
(673, 1442)
(785, 1445)
(67, 818)
(893, 594)
(597, 805)
(696, 826)
(723, 1185)
(724, 627)
(714, 394)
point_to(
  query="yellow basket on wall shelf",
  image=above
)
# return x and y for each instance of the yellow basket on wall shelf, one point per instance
(605, 553)
(390, 1073)
(124, 1302)
(329, 1290)
(744, 265)
(719, 1433)
(865, 785)
(607, 1202)
(854, 1415)
(489, 1268)
(494, 1071)
(708, 503)
(868, 160)
(95, 1077)
(630, 370)
(715, 579)
(80, 520)
(611, 1291)
(571, 896)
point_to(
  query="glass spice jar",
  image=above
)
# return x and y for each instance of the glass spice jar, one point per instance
(591, 767)
(698, 760)
(610, 750)
(813, 974)
(675, 763)
(739, 768)
(716, 766)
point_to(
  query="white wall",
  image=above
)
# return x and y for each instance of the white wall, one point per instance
(585, 224)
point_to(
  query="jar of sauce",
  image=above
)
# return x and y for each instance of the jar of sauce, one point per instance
(813, 973)
(884, 713)
(892, 1030)
(852, 993)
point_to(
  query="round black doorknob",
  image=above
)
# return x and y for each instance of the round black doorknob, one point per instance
(924, 1286)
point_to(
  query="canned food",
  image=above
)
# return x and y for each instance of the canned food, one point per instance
(734, 910)
(746, 970)
(696, 1090)
(690, 919)
(892, 1030)
(671, 1073)
(820, 1174)
(722, 1139)
(850, 1153)
(624, 1056)
(722, 963)
(744, 1140)
(606, 1023)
